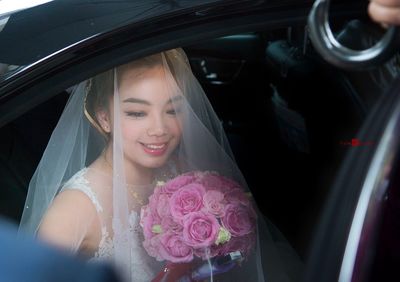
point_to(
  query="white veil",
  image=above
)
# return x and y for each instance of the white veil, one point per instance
(83, 145)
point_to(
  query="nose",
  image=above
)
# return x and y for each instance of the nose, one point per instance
(157, 127)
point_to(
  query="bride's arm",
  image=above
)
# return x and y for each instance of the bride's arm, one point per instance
(68, 220)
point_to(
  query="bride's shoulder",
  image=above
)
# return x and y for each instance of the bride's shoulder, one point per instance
(83, 186)
(72, 198)
(77, 213)
(78, 179)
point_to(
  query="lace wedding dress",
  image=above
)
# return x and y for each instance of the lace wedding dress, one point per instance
(142, 265)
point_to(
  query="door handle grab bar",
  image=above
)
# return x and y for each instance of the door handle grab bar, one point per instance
(335, 53)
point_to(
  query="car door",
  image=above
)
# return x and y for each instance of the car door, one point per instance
(357, 237)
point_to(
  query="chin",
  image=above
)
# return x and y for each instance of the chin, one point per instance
(156, 163)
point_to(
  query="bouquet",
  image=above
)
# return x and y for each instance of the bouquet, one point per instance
(198, 215)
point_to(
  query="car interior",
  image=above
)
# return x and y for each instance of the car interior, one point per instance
(288, 115)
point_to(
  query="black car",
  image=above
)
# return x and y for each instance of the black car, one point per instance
(318, 145)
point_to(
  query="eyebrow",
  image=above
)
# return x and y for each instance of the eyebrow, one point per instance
(144, 102)
(174, 99)
(138, 101)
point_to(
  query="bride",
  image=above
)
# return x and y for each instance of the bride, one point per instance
(123, 132)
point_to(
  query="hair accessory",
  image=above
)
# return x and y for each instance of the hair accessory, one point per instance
(86, 112)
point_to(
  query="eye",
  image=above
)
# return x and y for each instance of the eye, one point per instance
(136, 114)
(174, 111)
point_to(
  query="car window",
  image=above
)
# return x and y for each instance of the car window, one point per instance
(8, 7)
(303, 140)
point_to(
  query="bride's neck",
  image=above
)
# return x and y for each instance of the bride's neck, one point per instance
(137, 174)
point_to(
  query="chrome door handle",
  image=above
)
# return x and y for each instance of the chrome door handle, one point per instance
(335, 53)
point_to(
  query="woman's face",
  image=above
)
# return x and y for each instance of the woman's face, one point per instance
(149, 117)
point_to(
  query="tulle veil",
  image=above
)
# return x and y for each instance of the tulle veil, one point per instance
(79, 139)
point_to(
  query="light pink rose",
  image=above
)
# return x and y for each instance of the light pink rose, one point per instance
(154, 200)
(152, 247)
(176, 183)
(163, 208)
(186, 200)
(172, 248)
(213, 203)
(148, 219)
(214, 181)
(200, 229)
(156, 193)
(238, 219)
(168, 223)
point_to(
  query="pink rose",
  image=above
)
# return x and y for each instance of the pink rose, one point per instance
(152, 247)
(147, 220)
(175, 184)
(168, 223)
(156, 193)
(186, 200)
(238, 219)
(200, 229)
(163, 206)
(154, 200)
(173, 248)
(214, 181)
(212, 201)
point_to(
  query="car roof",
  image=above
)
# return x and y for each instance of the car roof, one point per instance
(37, 32)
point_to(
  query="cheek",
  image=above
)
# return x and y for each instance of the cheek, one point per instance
(175, 128)
(131, 130)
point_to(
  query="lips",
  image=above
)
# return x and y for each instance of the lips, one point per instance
(155, 149)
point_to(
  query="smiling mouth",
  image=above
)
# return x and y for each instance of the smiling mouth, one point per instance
(159, 146)
(155, 149)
